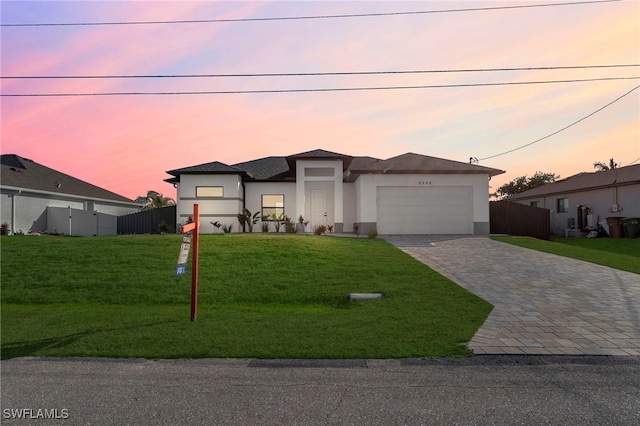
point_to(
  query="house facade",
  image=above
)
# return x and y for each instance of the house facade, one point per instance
(407, 194)
(28, 190)
(586, 199)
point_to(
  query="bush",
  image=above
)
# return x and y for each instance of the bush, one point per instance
(372, 233)
(319, 229)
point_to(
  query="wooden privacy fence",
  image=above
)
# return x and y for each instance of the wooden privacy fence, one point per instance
(507, 217)
(153, 221)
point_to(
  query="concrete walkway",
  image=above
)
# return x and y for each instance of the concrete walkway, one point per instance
(543, 304)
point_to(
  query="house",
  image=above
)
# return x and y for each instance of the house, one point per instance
(600, 195)
(407, 194)
(30, 192)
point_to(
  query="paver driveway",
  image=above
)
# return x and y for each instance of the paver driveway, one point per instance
(543, 303)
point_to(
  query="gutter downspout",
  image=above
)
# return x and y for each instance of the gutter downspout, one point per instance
(13, 211)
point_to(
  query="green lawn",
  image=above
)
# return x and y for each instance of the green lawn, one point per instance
(619, 253)
(261, 296)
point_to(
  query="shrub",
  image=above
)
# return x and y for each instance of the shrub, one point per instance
(265, 226)
(356, 229)
(319, 229)
(227, 228)
(372, 233)
(289, 226)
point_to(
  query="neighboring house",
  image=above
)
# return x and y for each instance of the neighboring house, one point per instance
(27, 189)
(611, 193)
(407, 194)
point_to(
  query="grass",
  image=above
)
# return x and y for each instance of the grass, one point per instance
(619, 253)
(260, 296)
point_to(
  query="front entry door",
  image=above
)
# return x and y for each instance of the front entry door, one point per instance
(318, 207)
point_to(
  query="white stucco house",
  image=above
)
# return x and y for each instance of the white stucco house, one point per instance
(589, 195)
(30, 194)
(407, 194)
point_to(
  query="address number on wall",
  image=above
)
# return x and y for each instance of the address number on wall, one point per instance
(424, 182)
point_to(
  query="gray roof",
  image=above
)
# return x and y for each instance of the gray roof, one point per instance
(269, 168)
(213, 167)
(283, 168)
(417, 163)
(586, 181)
(25, 174)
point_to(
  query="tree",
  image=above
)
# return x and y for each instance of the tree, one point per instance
(601, 167)
(155, 200)
(523, 183)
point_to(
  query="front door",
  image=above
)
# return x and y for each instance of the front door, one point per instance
(318, 207)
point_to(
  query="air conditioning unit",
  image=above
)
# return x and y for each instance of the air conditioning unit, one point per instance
(614, 208)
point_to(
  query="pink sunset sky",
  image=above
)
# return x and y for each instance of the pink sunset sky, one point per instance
(126, 143)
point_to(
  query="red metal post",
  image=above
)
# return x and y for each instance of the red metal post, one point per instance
(194, 262)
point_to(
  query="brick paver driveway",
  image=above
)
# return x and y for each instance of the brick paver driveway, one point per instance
(543, 303)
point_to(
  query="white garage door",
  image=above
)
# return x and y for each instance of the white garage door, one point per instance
(425, 210)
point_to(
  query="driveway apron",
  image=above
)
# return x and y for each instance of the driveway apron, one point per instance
(543, 304)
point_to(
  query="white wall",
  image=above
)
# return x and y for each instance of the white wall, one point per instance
(255, 190)
(349, 205)
(599, 201)
(31, 209)
(212, 209)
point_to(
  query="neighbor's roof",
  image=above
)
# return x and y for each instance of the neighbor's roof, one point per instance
(22, 173)
(586, 181)
(283, 168)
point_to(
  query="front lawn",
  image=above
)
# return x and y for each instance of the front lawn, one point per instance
(619, 253)
(261, 296)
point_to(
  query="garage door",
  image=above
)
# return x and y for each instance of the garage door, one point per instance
(425, 210)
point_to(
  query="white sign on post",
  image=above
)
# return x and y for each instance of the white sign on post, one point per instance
(184, 255)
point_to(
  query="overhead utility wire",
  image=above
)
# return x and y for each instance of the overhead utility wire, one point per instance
(309, 74)
(564, 128)
(343, 89)
(290, 18)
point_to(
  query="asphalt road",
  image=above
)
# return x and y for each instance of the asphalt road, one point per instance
(480, 390)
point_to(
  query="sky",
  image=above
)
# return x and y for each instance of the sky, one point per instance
(126, 143)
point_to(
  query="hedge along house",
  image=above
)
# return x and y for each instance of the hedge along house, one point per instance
(30, 191)
(407, 194)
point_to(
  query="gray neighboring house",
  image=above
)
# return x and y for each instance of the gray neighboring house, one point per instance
(407, 194)
(600, 195)
(29, 189)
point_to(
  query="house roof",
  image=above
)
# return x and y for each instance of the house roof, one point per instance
(417, 163)
(586, 181)
(283, 168)
(22, 173)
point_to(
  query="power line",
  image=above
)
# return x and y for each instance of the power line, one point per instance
(291, 18)
(564, 128)
(309, 74)
(631, 163)
(343, 89)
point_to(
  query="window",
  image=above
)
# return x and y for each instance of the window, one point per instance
(272, 207)
(563, 205)
(534, 203)
(319, 171)
(209, 191)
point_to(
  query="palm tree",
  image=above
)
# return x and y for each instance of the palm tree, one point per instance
(601, 167)
(155, 200)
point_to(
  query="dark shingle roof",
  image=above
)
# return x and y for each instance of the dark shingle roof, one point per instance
(586, 181)
(274, 168)
(19, 172)
(283, 168)
(416, 163)
(213, 167)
